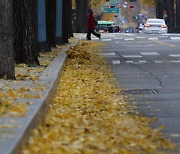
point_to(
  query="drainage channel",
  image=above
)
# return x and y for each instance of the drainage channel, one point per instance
(140, 91)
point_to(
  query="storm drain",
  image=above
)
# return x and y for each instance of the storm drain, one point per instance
(140, 91)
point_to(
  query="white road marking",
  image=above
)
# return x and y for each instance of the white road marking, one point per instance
(161, 37)
(116, 62)
(140, 37)
(175, 61)
(175, 55)
(151, 45)
(138, 46)
(108, 54)
(129, 61)
(149, 53)
(142, 61)
(128, 34)
(117, 38)
(158, 62)
(175, 38)
(95, 38)
(117, 42)
(129, 39)
(106, 39)
(136, 62)
(131, 56)
(171, 61)
(166, 34)
(153, 38)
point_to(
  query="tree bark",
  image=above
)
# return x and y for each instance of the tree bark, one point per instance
(82, 15)
(67, 20)
(160, 9)
(51, 22)
(177, 12)
(7, 69)
(25, 23)
(170, 13)
(64, 22)
(70, 19)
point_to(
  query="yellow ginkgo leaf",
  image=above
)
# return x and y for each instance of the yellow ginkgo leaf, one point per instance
(89, 115)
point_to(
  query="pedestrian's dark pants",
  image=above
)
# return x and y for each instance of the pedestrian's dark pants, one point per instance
(93, 32)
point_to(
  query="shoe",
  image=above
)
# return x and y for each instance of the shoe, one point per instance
(99, 36)
(88, 39)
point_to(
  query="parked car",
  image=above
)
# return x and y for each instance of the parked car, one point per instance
(130, 30)
(126, 31)
(140, 28)
(110, 29)
(157, 26)
(114, 29)
(117, 29)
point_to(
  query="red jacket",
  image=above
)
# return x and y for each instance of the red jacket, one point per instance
(90, 23)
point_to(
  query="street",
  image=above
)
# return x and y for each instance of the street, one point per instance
(148, 68)
(64, 90)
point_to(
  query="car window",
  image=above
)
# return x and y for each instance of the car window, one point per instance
(155, 21)
(116, 27)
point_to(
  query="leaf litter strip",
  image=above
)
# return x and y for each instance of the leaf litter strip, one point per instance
(90, 115)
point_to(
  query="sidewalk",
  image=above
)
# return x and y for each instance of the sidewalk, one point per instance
(28, 98)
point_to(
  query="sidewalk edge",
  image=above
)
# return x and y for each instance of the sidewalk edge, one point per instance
(58, 62)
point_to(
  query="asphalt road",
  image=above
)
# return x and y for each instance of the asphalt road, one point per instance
(147, 66)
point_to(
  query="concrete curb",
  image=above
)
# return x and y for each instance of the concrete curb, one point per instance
(17, 135)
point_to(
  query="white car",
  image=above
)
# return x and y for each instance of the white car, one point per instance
(157, 26)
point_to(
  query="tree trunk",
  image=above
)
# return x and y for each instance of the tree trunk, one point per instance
(25, 22)
(64, 22)
(160, 9)
(51, 22)
(170, 13)
(67, 20)
(7, 69)
(82, 15)
(70, 19)
(177, 12)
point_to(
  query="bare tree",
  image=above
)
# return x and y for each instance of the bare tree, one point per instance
(6, 40)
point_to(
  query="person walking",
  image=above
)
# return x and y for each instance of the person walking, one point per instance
(91, 26)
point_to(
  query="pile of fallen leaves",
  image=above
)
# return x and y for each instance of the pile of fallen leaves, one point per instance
(89, 115)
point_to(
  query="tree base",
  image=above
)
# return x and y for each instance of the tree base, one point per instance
(59, 40)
